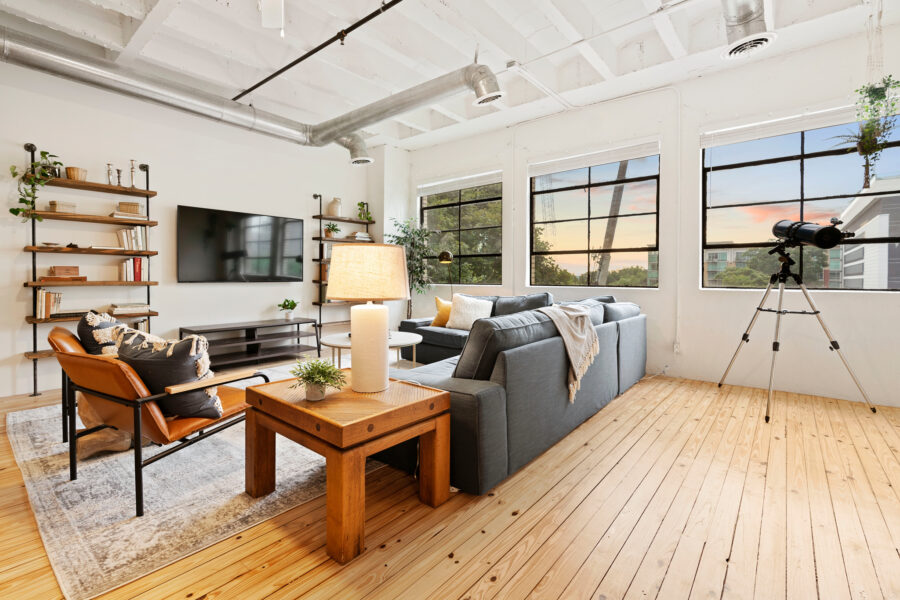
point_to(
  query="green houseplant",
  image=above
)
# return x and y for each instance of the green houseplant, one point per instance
(35, 177)
(288, 306)
(415, 240)
(876, 105)
(362, 211)
(317, 376)
(332, 230)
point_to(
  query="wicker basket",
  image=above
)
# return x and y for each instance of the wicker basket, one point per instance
(76, 173)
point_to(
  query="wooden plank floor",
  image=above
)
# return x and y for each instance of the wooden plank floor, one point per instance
(675, 490)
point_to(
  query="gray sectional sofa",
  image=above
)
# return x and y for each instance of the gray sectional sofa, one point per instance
(508, 389)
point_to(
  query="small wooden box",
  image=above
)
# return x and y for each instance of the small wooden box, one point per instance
(129, 207)
(58, 271)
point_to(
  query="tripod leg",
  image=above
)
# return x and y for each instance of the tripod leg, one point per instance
(834, 345)
(746, 336)
(776, 346)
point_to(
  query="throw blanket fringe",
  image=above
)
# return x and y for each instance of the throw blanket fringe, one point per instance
(580, 339)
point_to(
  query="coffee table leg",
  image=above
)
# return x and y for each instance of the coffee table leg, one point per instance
(259, 457)
(345, 504)
(434, 463)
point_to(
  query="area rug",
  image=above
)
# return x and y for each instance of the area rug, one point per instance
(192, 500)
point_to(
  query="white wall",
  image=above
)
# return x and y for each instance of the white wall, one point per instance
(193, 161)
(692, 332)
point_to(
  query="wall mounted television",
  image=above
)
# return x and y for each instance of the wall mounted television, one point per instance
(222, 245)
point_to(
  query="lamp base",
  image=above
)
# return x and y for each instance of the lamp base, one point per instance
(369, 347)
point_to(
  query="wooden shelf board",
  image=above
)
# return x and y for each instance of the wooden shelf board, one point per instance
(343, 220)
(64, 250)
(89, 283)
(33, 321)
(319, 282)
(334, 240)
(323, 261)
(347, 322)
(55, 216)
(93, 186)
(40, 354)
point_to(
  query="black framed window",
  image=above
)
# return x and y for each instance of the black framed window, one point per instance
(812, 175)
(597, 226)
(467, 222)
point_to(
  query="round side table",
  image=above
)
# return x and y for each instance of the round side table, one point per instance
(338, 342)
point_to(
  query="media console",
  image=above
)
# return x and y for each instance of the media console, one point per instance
(242, 343)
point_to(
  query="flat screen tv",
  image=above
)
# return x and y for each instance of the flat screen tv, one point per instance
(221, 245)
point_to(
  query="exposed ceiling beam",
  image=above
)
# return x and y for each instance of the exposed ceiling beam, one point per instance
(135, 9)
(568, 30)
(146, 29)
(665, 29)
(90, 23)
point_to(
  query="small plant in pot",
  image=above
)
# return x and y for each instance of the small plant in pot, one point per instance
(288, 306)
(331, 230)
(35, 177)
(317, 376)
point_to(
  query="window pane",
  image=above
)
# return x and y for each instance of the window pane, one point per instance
(447, 240)
(888, 166)
(625, 269)
(483, 214)
(560, 180)
(822, 211)
(481, 241)
(442, 198)
(747, 224)
(763, 183)
(557, 206)
(833, 175)
(636, 167)
(442, 218)
(492, 190)
(560, 269)
(553, 237)
(873, 216)
(440, 274)
(637, 197)
(484, 270)
(623, 232)
(828, 138)
(740, 267)
(853, 267)
(770, 147)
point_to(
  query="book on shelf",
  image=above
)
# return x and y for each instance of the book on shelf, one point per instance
(126, 215)
(133, 238)
(128, 309)
(62, 207)
(106, 247)
(69, 314)
(47, 304)
(133, 269)
(131, 208)
(142, 324)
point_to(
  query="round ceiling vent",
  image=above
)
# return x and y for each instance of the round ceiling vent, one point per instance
(749, 45)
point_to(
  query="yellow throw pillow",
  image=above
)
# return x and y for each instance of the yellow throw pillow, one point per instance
(443, 312)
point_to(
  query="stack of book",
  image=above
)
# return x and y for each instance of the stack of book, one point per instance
(133, 238)
(134, 269)
(47, 304)
(360, 235)
(142, 325)
(60, 273)
(59, 206)
(132, 308)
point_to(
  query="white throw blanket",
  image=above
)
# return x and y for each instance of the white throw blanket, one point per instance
(577, 331)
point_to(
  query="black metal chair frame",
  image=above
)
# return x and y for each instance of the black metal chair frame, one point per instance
(70, 435)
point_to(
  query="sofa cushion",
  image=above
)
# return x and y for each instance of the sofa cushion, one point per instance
(443, 336)
(468, 309)
(604, 299)
(96, 332)
(616, 311)
(160, 363)
(442, 314)
(489, 337)
(507, 305)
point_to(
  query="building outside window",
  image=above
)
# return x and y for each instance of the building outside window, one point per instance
(597, 225)
(811, 176)
(468, 223)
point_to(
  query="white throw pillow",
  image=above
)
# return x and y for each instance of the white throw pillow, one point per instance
(466, 310)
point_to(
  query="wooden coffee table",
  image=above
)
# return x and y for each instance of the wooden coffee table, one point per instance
(345, 428)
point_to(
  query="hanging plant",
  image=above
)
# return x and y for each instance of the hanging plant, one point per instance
(876, 107)
(35, 176)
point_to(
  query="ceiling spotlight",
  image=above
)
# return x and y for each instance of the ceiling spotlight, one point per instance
(272, 14)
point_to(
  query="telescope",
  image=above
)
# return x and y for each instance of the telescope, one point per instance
(804, 233)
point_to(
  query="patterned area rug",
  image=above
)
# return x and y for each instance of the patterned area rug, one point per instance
(192, 500)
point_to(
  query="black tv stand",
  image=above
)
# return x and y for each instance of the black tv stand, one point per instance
(252, 346)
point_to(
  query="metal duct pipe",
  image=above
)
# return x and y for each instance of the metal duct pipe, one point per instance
(28, 52)
(478, 78)
(743, 18)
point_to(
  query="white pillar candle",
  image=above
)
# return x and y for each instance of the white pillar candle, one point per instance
(369, 347)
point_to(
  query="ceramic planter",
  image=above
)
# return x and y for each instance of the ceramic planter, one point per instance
(289, 315)
(314, 392)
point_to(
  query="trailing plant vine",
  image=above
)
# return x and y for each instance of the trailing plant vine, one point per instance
(35, 176)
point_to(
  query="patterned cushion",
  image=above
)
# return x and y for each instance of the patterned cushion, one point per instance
(97, 333)
(161, 363)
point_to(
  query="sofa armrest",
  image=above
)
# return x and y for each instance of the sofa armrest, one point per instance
(412, 324)
(478, 453)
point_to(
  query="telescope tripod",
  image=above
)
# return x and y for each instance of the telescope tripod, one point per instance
(781, 277)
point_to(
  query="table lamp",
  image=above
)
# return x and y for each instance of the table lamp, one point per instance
(367, 273)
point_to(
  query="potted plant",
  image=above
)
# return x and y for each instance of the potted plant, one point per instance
(288, 306)
(35, 176)
(362, 211)
(317, 376)
(876, 106)
(331, 230)
(415, 239)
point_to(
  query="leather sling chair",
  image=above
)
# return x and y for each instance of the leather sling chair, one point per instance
(120, 399)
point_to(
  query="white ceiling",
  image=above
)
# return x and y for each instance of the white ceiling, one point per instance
(574, 51)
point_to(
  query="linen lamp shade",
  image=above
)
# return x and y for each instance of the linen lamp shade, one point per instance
(368, 272)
